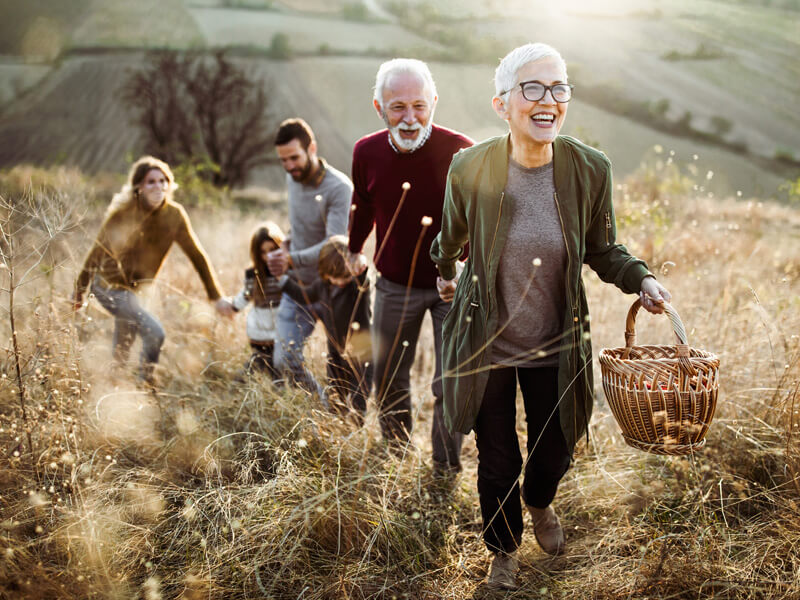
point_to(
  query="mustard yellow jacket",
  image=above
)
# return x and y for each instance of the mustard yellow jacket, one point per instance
(132, 244)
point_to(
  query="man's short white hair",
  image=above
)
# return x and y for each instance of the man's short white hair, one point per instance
(403, 65)
(505, 76)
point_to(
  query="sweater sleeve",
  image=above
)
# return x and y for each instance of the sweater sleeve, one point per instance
(611, 261)
(89, 266)
(301, 294)
(337, 209)
(363, 209)
(240, 300)
(448, 245)
(95, 255)
(189, 243)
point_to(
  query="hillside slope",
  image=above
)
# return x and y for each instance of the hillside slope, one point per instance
(746, 88)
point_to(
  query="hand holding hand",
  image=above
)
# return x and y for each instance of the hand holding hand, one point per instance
(77, 301)
(653, 295)
(278, 261)
(446, 288)
(224, 307)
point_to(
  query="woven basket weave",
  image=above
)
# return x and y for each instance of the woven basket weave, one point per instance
(663, 397)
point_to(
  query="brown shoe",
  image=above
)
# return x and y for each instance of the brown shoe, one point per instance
(547, 529)
(503, 574)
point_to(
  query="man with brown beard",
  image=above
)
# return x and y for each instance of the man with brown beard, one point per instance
(319, 206)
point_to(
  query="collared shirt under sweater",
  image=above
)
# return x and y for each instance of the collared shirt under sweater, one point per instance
(378, 176)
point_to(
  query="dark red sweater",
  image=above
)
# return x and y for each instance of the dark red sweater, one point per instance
(378, 176)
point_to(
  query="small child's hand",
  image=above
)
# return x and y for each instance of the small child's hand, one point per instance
(357, 263)
(224, 307)
(76, 300)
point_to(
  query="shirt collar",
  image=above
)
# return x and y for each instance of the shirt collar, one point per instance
(316, 180)
(426, 134)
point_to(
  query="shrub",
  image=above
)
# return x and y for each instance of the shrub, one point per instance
(721, 125)
(280, 47)
(355, 11)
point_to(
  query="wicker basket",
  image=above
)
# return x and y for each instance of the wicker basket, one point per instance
(663, 397)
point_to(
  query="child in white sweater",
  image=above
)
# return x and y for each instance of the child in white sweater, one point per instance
(263, 290)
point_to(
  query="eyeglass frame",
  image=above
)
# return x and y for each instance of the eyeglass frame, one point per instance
(547, 88)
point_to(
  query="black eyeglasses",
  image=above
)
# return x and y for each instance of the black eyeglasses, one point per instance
(533, 91)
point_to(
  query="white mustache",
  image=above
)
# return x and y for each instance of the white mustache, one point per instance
(415, 127)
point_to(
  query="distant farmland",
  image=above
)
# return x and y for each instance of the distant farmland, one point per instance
(241, 27)
(743, 88)
(464, 103)
(75, 115)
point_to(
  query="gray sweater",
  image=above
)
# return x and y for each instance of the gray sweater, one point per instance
(531, 298)
(317, 210)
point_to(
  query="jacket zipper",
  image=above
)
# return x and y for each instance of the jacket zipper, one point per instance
(486, 312)
(574, 303)
(566, 245)
(608, 225)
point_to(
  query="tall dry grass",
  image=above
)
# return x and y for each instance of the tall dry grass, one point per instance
(209, 488)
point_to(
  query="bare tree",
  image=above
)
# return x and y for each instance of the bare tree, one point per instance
(198, 108)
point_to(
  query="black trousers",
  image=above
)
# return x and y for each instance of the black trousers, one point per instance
(499, 458)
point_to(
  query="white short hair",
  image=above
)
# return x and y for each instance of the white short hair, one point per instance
(402, 65)
(505, 76)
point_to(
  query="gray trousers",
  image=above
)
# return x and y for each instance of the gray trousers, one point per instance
(131, 319)
(398, 315)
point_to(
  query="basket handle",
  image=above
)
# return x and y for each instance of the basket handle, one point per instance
(681, 348)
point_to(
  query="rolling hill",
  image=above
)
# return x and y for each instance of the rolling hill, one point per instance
(731, 70)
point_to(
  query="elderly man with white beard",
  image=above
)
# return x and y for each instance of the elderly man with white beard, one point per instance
(399, 175)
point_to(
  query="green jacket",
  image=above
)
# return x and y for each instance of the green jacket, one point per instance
(477, 211)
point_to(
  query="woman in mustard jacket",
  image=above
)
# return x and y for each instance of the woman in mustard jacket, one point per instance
(139, 228)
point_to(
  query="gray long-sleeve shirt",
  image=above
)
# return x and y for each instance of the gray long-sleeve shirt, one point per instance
(317, 210)
(531, 299)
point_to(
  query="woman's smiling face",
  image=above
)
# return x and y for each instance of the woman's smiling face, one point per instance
(153, 189)
(535, 123)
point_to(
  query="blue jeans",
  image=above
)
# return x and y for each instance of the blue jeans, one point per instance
(131, 319)
(295, 323)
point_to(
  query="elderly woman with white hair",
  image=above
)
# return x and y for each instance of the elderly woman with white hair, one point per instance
(534, 206)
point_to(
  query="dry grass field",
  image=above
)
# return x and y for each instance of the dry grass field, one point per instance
(208, 488)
